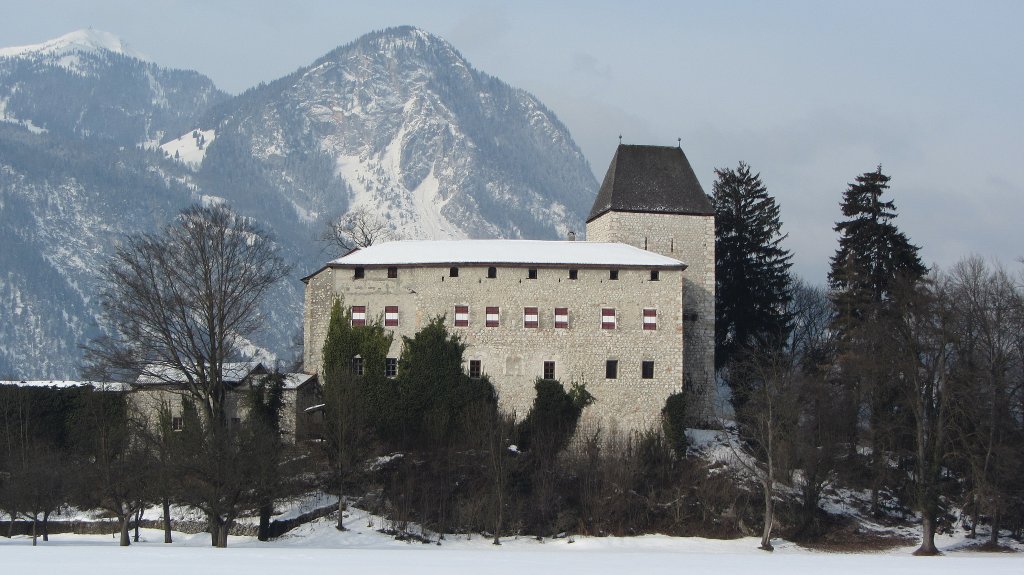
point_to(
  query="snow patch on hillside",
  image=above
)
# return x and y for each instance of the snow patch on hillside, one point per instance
(4, 117)
(64, 47)
(190, 149)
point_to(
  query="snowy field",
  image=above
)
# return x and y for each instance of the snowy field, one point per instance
(318, 548)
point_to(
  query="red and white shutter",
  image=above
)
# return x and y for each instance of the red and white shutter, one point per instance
(491, 319)
(561, 317)
(359, 315)
(391, 316)
(650, 318)
(607, 318)
(530, 317)
(461, 316)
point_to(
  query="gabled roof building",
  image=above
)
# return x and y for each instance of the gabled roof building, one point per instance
(608, 312)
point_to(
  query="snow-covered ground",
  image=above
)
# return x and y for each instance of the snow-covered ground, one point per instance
(318, 548)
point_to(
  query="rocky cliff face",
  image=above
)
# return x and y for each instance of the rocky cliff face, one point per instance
(96, 142)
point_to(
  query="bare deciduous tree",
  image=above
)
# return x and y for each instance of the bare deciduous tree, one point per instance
(176, 303)
(358, 228)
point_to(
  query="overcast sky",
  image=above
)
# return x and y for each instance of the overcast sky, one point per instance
(810, 94)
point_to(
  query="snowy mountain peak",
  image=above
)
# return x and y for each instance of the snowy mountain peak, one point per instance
(85, 40)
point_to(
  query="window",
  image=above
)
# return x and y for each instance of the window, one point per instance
(461, 316)
(357, 365)
(491, 318)
(358, 315)
(391, 367)
(574, 274)
(492, 272)
(611, 369)
(359, 273)
(474, 368)
(650, 318)
(608, 318)
(549, 370)
(391, 316)
(654, 275)
(177, 424)
(453, 272)
(647, 370)
(531, 274)
(562, 317)
(613, 274)
(392, 272)
(530, 317)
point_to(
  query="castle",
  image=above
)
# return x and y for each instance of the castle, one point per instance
(629, 312)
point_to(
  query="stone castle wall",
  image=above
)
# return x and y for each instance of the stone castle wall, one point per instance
(690, 239)
(512, 355)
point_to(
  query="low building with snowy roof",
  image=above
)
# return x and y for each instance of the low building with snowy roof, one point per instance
(162, 387)
(615, 313)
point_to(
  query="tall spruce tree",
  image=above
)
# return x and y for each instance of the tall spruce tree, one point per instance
(873, 255)
(874, 268)
(752, 279)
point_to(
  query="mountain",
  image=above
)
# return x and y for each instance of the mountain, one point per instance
(96, 141)
(399, 122)
(91, 84)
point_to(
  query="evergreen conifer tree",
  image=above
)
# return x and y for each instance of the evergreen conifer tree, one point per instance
(873, 255)
(872, 271)
(751, 267)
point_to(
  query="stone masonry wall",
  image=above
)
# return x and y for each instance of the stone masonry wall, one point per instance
(512, 355)
(690, 239)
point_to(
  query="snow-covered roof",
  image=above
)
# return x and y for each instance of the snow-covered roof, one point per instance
(505, 252)
(295, 380)
(64, 384)
(232, 373)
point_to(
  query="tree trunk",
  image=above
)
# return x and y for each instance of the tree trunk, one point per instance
(266, 510)
(993, 538)
(125, 521)
(34, 536)
(138, 519)
(222, 534)
(46, 526)
(769, 517)
(927, 537)
(341, 506)
(167, 520)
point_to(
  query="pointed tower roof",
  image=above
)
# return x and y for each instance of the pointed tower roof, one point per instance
(651, 179)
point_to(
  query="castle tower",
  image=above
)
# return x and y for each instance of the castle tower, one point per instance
(651, 199)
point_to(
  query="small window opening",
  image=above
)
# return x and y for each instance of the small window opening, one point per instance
(611, 369)
(549, 370)
(474, 368)
(492, 272)
(391, 367)
(359, 274)
(613, 274)
(177, 424)
(453, 272)
(574, 274)
(647, 370)
(531, 273)
(654, 275)
(357, 365)
(392, 272)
